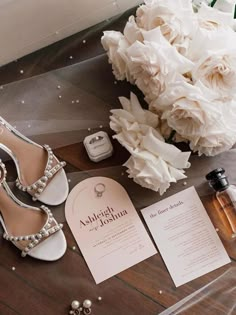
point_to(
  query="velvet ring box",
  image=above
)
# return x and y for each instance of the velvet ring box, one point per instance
(98, 146)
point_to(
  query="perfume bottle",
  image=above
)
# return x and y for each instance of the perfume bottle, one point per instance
(226, 197)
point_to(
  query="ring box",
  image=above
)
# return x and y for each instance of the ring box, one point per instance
(98, 146)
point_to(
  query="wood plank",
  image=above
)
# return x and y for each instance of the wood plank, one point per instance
(52, 286)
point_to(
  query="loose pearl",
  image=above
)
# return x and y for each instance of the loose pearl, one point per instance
(1, 87)
(59, 96)
(77, 101)
(21, 71)
(71, 57)
(84, 41)
(87, 304)
(217, 230)
(160, 292)
(89, 129)
(75, 305)
(58, 87)
(22, 102)
(72, 102)
(115, 82)
(101, 126)
(13, 268)
(185, 183)
(74, 248)
(99, 298)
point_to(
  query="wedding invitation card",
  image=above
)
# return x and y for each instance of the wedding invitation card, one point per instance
(185, 236)
(106, 227)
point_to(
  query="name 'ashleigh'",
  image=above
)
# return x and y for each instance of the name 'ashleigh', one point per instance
(103, 217)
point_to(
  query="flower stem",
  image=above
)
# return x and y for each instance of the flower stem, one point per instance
(213, 3)
(171, 136)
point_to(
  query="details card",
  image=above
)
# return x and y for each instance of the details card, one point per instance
(185, 236)
(107, 228)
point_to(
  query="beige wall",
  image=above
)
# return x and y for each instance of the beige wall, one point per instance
(28, 25)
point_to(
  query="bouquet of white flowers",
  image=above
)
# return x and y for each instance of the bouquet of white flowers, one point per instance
(184, 62)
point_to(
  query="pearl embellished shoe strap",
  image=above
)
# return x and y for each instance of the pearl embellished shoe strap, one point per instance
(39, 186)
(34, 239)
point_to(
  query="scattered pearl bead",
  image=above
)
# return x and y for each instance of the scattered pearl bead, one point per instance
(59, 96)
(160, 292)
(84, 41)
(77, 101)
(69, 180)
(74, 247)
(29, 126)
(101, 126)
(75, 305)
(89, 129)
(99, 298)
(13, 268)
(1, 87)
(58, 87)
(72, 102)
(115, 82)
(122, 174)
(217, 230)
(14, 127)
(56, 32)
(71, 57)
(114, 3)
(87, 304)
(21, 71)
(22, 102)
(185, 183)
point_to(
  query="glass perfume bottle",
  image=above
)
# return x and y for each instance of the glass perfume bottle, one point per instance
(226, 197)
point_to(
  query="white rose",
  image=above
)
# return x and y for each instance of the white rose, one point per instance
(221, 135)
(153, 163)
(150, 66)
(116, 45)
(132, 32)
(173, 17)
(217, 70)
(208, 124)
(212, 19)
(211, 37)
(132, 122)
(177, 87)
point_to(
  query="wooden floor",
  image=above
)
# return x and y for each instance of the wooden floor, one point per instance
(41, 288)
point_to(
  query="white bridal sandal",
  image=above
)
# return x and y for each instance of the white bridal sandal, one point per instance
(39, 171)
(33, 230)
